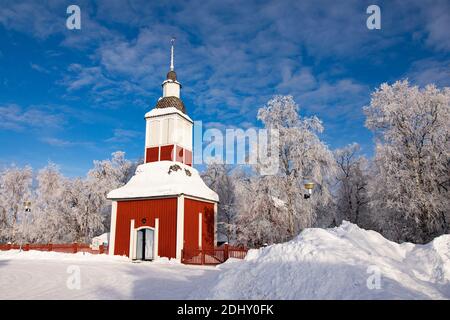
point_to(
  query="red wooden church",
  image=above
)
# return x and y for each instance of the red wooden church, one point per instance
(165, 207)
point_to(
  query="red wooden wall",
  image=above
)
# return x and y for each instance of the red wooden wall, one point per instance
(191, 211)
(188, 157)
(152, 154)
(169, 153)
(164, 209)
(166, 153)
(179, 155)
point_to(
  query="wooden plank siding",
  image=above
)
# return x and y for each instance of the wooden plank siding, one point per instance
(149, 209)
(192, 208)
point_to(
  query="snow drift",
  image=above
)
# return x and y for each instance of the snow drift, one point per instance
(338, 263)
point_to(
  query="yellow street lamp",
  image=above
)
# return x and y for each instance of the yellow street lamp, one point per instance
(27, 205)
(308, 186)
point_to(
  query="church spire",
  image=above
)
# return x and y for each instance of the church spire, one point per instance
(172, 41)
(171, 87)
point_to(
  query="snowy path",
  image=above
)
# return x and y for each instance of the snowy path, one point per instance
(24, 278)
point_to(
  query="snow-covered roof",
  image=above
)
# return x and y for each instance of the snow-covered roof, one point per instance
(163, 111)
(164, 178)
(103, 237)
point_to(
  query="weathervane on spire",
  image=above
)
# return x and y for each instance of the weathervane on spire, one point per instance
(172, 41)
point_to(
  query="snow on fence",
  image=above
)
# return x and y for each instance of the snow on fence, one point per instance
(212, 256)
(66, 248)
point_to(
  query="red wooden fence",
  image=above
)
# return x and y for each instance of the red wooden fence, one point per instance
(67, 248)
(212, 256)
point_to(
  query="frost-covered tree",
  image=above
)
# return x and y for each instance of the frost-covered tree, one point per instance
(302, 157)
(111, 174)
(219, 177)
(49, 211)
(15, 190)
(62, 210)
(262, 217)
(409, 189)
(114, 172)
(352, 180)
(84, 204)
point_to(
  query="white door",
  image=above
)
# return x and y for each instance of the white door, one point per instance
(148, 243)
(144, 244)
(139, 247)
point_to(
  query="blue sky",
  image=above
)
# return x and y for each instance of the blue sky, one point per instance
(72, 96)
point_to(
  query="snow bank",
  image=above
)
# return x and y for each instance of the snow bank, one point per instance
(164, 178)
(338, 264)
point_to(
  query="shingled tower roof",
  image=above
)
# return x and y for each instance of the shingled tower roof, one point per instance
(167, 102)
(171, 88)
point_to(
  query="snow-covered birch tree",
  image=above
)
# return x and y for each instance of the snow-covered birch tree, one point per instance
(49, 209)
(219, 177)
(15, 190)
(411, 181)
(261, 217)
(352, 180)
(62, 209)
(85, 202)
(302, 157)
(108, 175)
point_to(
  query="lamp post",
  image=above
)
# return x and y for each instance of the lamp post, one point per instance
(27, 205)
(27, 209)
(308, 186)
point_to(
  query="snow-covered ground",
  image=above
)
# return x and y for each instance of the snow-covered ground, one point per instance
(44, 275)
(340, 263)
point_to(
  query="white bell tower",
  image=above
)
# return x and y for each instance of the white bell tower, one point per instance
(168, 128)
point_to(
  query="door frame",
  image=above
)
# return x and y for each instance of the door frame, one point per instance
(134, 242)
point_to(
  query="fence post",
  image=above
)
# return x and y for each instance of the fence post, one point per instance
(101, 249)
(8, 246)
(225, 252)
(50, 247)
(26, 247)
(75, 247)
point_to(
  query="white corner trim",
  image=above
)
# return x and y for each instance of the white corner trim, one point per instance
(180, 226)
(132, 253)
(200, 230)
(215, 224)
(112, 230)
(156, 239)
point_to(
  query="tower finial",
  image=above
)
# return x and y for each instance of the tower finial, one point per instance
(172, 41)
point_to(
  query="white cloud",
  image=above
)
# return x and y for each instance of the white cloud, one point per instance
(13, 117)
(231, 56)
(122, 136)
(33, 17)
(39, 68)
(430, 71)
(438, 25)
(63, 143)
